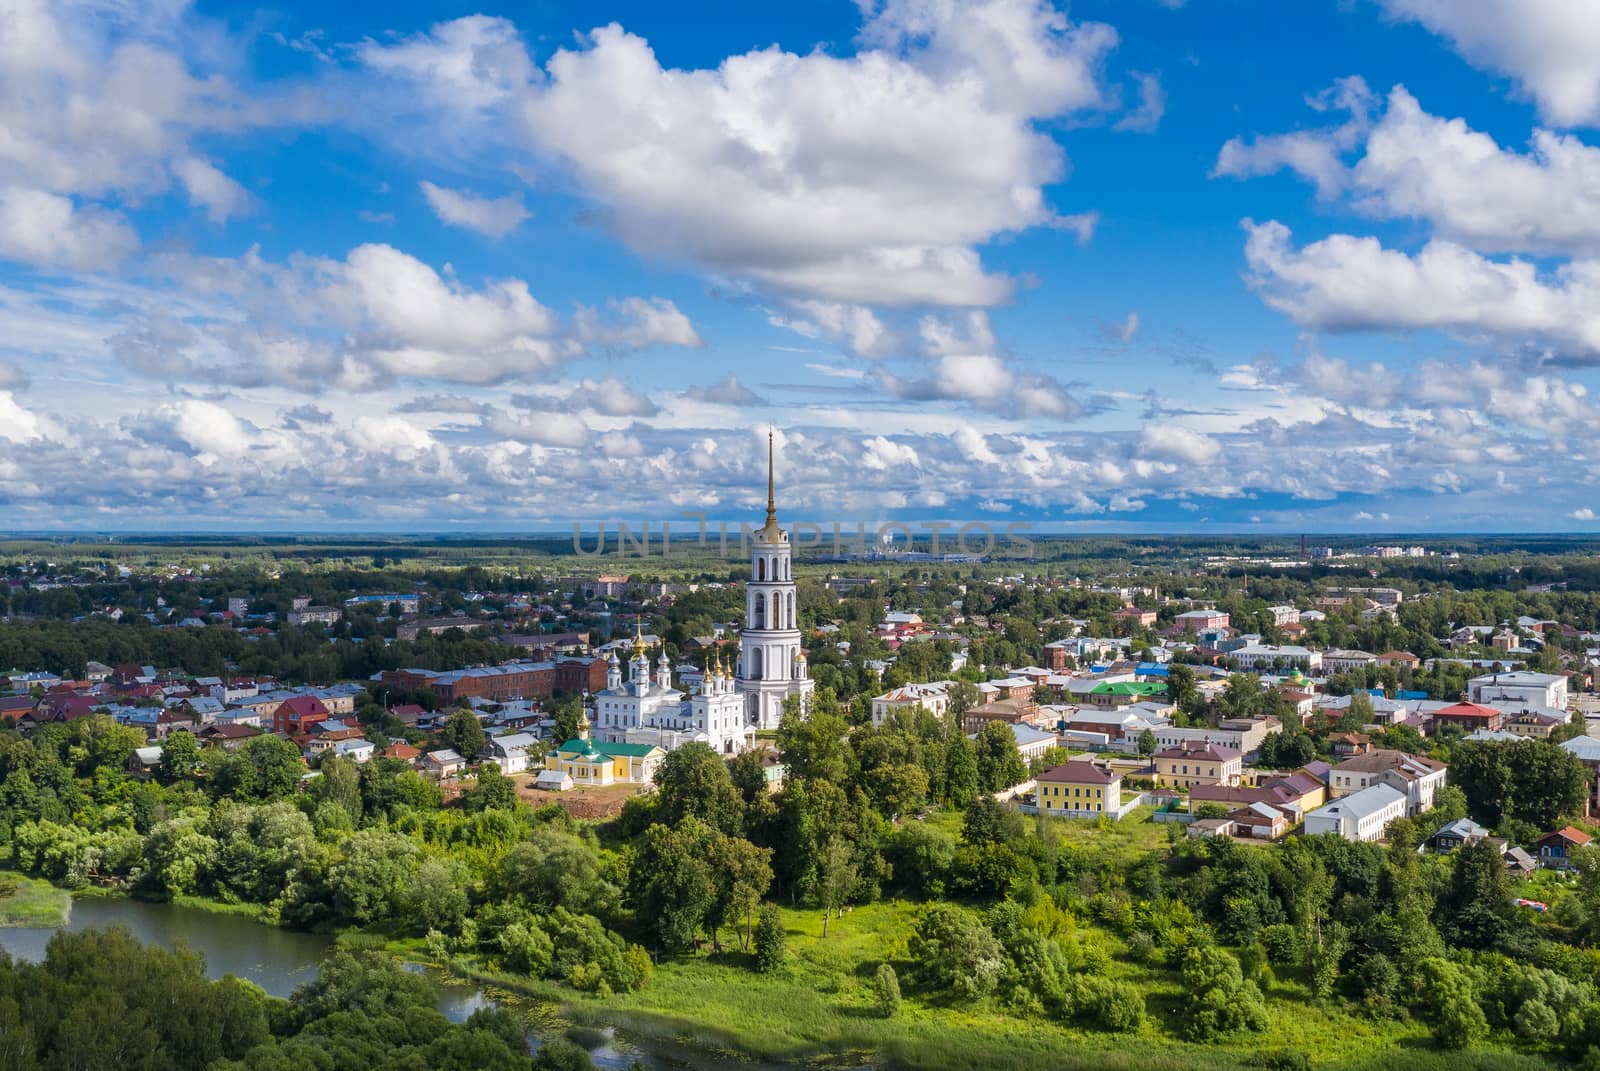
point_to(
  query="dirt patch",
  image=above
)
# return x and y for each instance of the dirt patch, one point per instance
(580, 802)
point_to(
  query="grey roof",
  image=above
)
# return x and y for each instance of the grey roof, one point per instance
(1586, 748)
(1358, 805)
(1465, 828)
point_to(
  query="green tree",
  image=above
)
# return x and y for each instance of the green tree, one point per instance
(694, 781)
(566, 711)
(1446, 1002)
(769, 940)
(886, 991)
(463, 733)
(492, 790)
(955, 952)
(671, 884)
(1000, 764)
(265, 768)
(339, 783)
(180, 754)
(836, 878)
(1147, 743)
(961, 771)
(811, 745)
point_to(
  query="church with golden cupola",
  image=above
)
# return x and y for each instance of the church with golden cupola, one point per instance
(646, 709)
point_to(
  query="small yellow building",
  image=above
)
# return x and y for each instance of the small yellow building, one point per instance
(596, 764)
(1198, 762)
(1080, 789)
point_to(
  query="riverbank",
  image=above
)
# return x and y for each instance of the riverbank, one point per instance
(819, 1011)
(713, 1010)
(28, 902)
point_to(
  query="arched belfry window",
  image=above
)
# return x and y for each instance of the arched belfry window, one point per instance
(761, 568)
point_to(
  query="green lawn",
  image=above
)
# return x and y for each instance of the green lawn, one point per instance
(819, 1010)
(30, 903)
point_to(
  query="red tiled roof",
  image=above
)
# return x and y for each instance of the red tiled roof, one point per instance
(1466, 710)
(302, 705)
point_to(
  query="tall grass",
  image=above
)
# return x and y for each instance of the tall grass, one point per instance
(27, 903)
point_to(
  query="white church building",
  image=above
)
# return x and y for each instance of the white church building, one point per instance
(724, 712)
(646, 710)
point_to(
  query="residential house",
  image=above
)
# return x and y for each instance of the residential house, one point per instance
(144, 762)
(357, 750)
(296, 715)
(512, 752)
(1257, 656)
(1259, 820)
(1010, 711)
(1397, 659)
(1349, 745)
(1293, 794)
(934, 698)
(1534, 724)
(1198, 762)
(1196, 620)
(1416, 778)
(227, 737)
(1453, 835)
(1108, 695)
(402, 751)
(1468, 716)
(1555, 850)
(1080, 789)
(1344, 661)
(443, 763)
(1135, 617)
(1244, 735)
(1362, 815)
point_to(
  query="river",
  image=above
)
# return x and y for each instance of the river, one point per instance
(280, 960)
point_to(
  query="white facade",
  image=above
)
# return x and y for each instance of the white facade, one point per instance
(1414, 777)
(1284, 615)
(1359, 816)
(934, 698)
(1520, 686)
(772, 662)
(513, 752)
(1344, 661)
(1245, 739)
(646, 711)
(1259, 655)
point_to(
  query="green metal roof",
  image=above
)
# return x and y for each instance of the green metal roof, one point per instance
(592, 747)
(1130, 688)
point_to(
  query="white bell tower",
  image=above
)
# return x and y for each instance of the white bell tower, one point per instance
(772, 664)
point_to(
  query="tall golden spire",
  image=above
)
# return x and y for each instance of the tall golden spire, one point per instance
(772, 504)
(770, 531)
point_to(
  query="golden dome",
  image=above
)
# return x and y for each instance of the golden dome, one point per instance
(639, 646)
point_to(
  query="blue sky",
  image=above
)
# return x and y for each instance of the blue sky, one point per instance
(1136, 265)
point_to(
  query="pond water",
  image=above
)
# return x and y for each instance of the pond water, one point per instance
(280, 960)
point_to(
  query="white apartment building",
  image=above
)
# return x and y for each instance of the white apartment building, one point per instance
(1266, 656)
(1359, 816)
(1520, 686)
